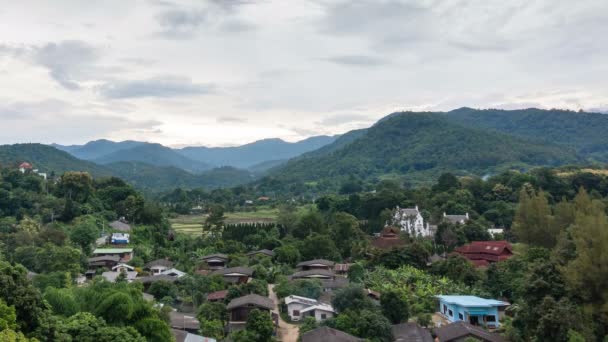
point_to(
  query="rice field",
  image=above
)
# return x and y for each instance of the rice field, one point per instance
(193, 224)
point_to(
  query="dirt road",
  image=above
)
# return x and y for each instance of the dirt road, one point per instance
(286, 332)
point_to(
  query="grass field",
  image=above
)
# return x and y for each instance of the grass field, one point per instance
(193, 224)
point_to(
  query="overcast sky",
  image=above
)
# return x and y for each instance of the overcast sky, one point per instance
(227, 72)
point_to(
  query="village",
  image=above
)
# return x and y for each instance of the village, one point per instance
(457, 317)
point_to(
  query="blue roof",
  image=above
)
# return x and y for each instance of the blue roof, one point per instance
(471, 301)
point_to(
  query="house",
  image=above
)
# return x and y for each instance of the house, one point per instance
(120, 225)
(119, 239)
(217, 296)
(495, 231)
(330, 285)
(299, 308)
(111, 276)
(215, 261)
(124, 254)
(314, 273)
(341, 268)
(184, 336)
(104, 261)
(239, 308)
(149, 280)
(263, 198)
(264, 252)
(235, 275)
(174, 272)
(120, 267)
(410, 220)
(472, 309)
(389, 238)
(483, 253)
(327, 334)
(182, 321)
(410, 332)
(315, 265)
(460, 331)
(456, 219)
(158, 266)
(25, 166)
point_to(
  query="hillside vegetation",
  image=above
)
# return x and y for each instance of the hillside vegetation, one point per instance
(423, 144)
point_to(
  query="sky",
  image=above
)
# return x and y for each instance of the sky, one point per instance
(228, 72)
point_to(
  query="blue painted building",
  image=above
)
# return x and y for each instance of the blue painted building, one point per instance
(472, 309)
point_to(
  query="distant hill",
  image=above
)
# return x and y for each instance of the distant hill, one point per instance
(47, 159)
(255, 153)
(159, 178)
(98, 148)
(154, 154)
(585, 132)
(420, 146)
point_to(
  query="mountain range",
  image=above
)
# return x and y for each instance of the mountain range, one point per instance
(414, 147)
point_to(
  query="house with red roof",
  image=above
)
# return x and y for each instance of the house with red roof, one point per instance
(389, 238)
(25, 166)
(483, 253)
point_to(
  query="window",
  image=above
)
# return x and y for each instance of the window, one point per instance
(296, 312)
(491, 318)
(460, 316)
(450, 313)
(445, 308)
(323, 316)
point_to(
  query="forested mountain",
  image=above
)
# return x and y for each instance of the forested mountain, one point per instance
(98, 148)
(154, 154)
(248, 155)
(158, 178)
(585, 132)
(422, 145)
(47, 159)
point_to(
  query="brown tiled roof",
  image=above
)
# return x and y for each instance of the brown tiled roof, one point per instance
(155, 278)
(486, 248)
(216, 255)
(313, 273)
(327, 334)
(410, 332)
(460, 330)
(325, 262)
(217, 295)
(266, 252)
(388, 243)
(251, 300)
(160, 262)
(224, 271)
(337, 283)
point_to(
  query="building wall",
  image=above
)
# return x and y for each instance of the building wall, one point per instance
(319, 315)
(460, 313)
(295, 306)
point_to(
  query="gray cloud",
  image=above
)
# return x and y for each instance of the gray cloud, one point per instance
(180, 23)
(358, 60)
(68, 62)
(340, 119)
(163, 87)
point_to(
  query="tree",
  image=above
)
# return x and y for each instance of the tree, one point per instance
(154, 330)
(215, 220)
(446, 182)
(310, 222)
(317, 246)
(287, 254)
(162, 288)
(365, 323)
(8, 317)
(457, 268)
(345, 231)
(62, 301)
(212, 328)
(351, 297)
(84, 235)
(212, 311)
(533, 221)
(116, 308)
(394, 307)
(260, 325)
(356, 273)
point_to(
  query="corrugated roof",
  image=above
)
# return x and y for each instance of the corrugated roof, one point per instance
(251, 299)
(471, 301)
(226, 271)
(324, 262)
(159, 262)
(410, 332)
(112, 250)
(327, 334)
(318, 273)
(460, 330)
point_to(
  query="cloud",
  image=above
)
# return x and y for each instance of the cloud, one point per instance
(357, 60)
(164, 87)
(339, 119)
(69, 62)
(230, 119)
(180, 22)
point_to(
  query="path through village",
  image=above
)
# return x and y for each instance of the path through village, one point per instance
(286, 332)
